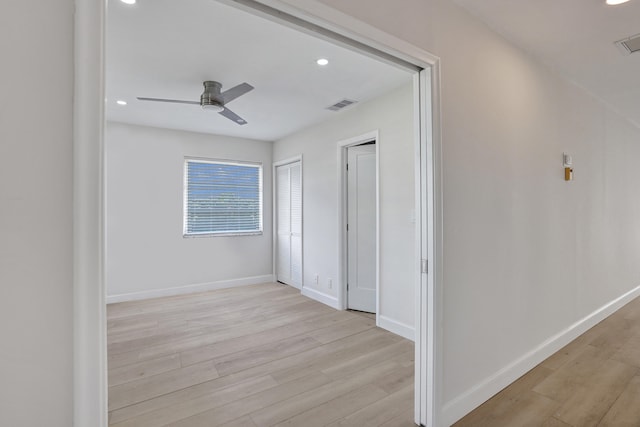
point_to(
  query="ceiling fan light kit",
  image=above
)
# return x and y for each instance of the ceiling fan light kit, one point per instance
(216, 108)
(213, 99)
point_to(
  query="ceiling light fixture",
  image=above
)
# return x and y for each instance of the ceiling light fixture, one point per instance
(616, 2)
(128, 1)
(215, 107)
(121, 102)
(322, 62)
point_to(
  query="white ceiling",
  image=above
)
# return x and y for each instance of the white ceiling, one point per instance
(167, 48)
(575, 37)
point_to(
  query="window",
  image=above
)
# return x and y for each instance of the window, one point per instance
(222, 198)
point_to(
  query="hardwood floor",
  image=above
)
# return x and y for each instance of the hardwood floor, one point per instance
(593, 381)
(254, 356)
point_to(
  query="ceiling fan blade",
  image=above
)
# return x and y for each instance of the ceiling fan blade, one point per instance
(236, 91)
(175, 101)
(233, 116)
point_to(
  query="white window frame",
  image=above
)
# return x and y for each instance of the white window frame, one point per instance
(185, 207)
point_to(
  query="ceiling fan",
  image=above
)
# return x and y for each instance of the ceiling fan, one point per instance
(213, 99)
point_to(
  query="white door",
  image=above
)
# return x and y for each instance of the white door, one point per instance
(361, 228)
(289, 224)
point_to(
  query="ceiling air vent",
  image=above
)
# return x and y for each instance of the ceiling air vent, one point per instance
(629, 45)
(340, 105)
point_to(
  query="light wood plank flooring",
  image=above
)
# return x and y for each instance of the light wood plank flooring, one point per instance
(254, 356)
(593, 381)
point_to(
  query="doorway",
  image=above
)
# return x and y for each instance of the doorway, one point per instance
(361, 227)
(288, 222)
(89, 229)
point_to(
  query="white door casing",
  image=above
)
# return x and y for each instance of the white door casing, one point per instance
(361, 228)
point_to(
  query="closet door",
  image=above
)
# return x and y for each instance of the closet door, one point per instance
(289, 224)
(362, 217)
(283, 225)
(295, 201)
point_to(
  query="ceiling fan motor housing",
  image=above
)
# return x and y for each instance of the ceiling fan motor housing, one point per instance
(211, 99)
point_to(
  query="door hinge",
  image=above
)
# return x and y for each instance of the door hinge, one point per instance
(424, 266)
(347, 286)
(347, 166)
(347, 227)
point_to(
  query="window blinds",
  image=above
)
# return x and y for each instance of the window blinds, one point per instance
(222, 197)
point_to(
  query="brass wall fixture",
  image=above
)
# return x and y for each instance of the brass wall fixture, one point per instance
(567, 162)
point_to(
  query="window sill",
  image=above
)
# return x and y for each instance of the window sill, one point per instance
(231, 234)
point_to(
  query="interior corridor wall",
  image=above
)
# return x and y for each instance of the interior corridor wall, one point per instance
(36, 214)
(146, 253)
(392, 115)
(526, 254)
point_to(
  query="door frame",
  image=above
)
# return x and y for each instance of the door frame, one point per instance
(429, 247)
(274, 215)
(343, 268)
(89, 301)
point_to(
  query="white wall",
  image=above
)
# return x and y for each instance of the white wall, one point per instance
(392, 115)
(506, 120)
(526, 254)
(36, 294)
(147, 254)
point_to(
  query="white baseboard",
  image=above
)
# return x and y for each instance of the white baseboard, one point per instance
(329, 300)
(189, 289)
(460, 406)
(396, 327)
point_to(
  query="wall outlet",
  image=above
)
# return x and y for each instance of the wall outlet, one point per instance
(330, 283)
(317, 279)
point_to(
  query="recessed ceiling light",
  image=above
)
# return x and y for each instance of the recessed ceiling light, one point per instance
(616, 2)
(128, 1)
(121, 102)
(322, 61)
